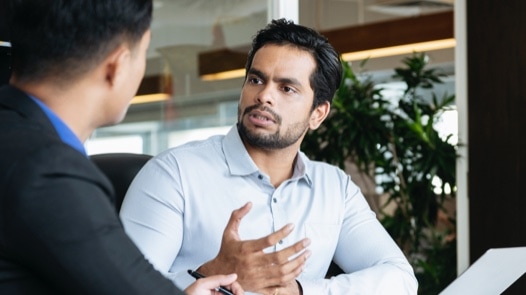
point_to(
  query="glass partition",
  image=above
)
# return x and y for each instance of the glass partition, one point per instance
(194, 108)
(181, 30)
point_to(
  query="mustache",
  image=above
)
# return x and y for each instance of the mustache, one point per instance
(262, 108)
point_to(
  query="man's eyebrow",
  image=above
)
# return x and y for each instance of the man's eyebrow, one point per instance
(263, 76)
(253, 71)
(291, 81)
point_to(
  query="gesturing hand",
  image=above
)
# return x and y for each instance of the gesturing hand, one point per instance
(256, 269)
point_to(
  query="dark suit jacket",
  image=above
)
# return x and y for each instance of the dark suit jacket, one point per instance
(59, 229)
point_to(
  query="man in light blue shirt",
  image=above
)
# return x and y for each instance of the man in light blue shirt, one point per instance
(250, 202)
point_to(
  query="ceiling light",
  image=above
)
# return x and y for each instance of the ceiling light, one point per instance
(398, 50)
(154, 88)
(238, 73)
(149, 98)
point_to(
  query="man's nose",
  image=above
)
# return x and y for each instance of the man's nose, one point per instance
(266, 96)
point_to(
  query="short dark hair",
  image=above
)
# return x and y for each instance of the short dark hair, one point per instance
(328, 73)
(67, 38)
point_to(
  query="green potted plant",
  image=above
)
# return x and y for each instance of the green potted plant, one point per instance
(398, 148)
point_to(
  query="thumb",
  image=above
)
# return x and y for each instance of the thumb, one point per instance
(213, 282)
(235, 218)
(225, 280)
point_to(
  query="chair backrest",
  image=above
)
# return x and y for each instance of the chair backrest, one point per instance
(120, 168)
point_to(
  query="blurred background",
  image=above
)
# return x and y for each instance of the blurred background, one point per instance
(187, 34)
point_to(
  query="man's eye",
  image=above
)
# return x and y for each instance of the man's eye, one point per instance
(288, 89)
(254, 80)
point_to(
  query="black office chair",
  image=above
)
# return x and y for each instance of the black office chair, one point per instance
(120, 168)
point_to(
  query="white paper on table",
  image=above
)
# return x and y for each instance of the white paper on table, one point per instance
(491, 274)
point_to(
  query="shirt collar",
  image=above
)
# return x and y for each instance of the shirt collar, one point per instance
(240, 162)
(237, 158)
(301, 168)
(65, 133)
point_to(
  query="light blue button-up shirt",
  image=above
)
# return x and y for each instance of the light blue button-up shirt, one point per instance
(179, 204)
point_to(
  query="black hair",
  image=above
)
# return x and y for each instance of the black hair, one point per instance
(66, 38)
(328, 73)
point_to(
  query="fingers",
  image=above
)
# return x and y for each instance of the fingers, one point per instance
(236, 216)
(209, 284)
(232, 231)
(256, 268)
(285, 255)
(293, 269)
(236, 288)
(222, 280)
(287, 264)
(273, 238)
(290, 270)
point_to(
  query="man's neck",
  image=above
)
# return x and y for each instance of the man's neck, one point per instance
(65, 105)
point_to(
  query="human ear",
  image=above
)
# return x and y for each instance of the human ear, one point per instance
(319, 114)
(115, 66)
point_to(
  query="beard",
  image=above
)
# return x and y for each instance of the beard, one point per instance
(276, 140)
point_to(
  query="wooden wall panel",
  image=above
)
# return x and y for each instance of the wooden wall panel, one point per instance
(496, 44)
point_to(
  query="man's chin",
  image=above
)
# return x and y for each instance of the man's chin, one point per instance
(114, 121)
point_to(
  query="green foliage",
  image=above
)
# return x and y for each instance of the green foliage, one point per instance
(400, 148)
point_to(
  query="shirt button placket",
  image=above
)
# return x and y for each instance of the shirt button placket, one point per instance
(278, 217)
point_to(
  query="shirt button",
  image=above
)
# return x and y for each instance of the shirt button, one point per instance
(281, 241)
(275, 200)
(260, 176)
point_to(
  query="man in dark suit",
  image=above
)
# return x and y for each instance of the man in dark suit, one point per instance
(76, 66)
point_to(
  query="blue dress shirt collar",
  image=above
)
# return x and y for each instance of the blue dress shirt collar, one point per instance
(65, 133)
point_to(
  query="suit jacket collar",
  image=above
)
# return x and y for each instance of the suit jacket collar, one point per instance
(18, 101)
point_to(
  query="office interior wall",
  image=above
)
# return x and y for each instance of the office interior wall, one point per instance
(496, 64)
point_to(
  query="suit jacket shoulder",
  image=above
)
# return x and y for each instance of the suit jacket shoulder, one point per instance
(59, 229)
